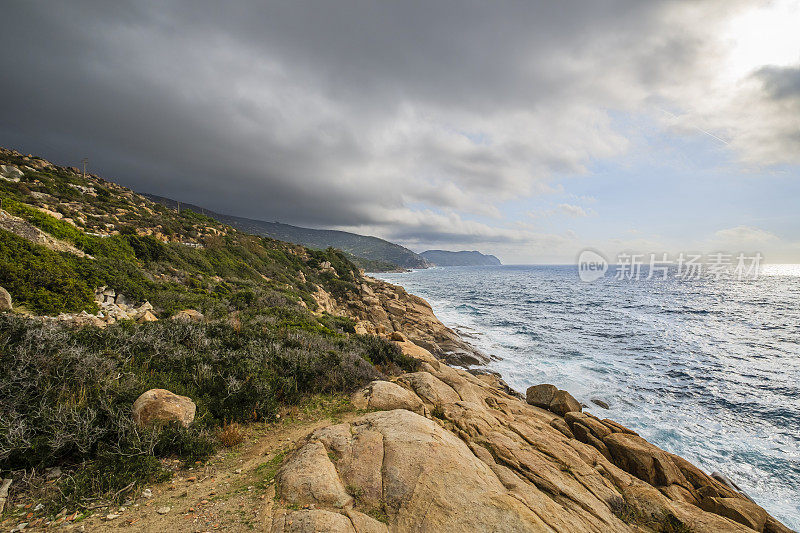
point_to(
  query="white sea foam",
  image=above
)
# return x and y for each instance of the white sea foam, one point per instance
(707, 369)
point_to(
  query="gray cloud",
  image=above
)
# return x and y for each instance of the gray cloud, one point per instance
(780, 83)
(376, 117)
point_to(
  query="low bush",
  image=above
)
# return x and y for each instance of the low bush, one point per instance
(66, 394)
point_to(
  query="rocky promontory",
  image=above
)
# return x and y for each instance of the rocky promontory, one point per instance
(444, 450)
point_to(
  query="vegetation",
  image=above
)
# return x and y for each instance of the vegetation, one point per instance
(372, 252)
(66, 394)
(662, 523)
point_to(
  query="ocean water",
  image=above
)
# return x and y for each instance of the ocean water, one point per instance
(706, 369)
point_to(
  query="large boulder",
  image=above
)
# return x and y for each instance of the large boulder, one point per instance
(547, 396)
(484, 461)
(163, 406)
(541, 395)
(5, 300)
(385, 396)
(563, 403)
(426, 478)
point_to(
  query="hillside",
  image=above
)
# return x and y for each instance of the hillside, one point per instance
(463, 258)
(380, 255)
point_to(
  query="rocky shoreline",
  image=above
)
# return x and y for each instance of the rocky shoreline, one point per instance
(446, 450)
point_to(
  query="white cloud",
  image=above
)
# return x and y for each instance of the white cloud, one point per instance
(745, 236)
(573, 210)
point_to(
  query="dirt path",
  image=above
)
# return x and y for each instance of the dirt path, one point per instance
(234, 491)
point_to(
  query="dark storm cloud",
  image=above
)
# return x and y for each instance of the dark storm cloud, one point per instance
(781, 83)
(393, 117)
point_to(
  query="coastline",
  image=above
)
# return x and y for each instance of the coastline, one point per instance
(649, 482)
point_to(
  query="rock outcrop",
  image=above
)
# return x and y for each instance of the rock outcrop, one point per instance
(384, 309)
(11, 173)
(22, 228)
(163, 406)
(5, 300)
(385, 395)
(475, 458)
(549, 397)
(113, 307)
(189, 315)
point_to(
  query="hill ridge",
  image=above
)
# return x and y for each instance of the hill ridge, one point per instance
(379, 253)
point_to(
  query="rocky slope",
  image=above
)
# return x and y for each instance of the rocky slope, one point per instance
(381, 308)
(448, 451)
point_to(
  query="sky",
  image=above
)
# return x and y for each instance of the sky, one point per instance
(530, 130)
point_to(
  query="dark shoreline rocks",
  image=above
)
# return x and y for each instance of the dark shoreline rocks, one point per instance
(550, 397)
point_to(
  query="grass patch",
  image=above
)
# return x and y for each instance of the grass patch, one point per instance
(268, 470)
(379, 513)
(666, 523)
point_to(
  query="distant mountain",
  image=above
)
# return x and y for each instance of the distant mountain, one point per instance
(445, 258)
(378, 254)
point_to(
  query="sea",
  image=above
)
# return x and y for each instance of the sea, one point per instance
(705, 368)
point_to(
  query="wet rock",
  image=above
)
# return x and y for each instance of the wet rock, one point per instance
(600, 403)
(161, 405)
(541, 395)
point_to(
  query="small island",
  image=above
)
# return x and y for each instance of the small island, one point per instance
(462, 258)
